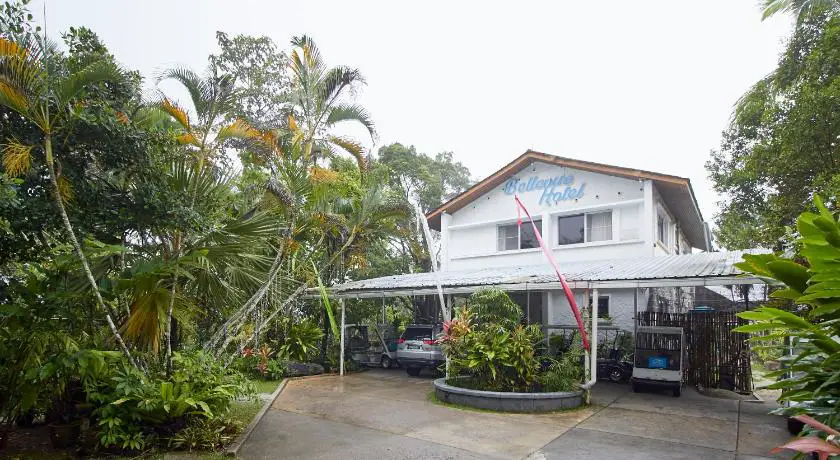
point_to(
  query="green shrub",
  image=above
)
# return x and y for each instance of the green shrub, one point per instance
(276, 370)
(130, 403)
(301, 340)
(491, 356)
(564, 373)
(206, 434)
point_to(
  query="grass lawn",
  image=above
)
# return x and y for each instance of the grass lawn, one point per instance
(266, 386)
(244, 411)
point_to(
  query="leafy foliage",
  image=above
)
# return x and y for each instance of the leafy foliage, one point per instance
(301, 341)
(781, 128)
(811, 379)
(495, 306)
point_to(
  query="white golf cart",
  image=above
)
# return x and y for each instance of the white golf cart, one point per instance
(659, 357)
(381, 352)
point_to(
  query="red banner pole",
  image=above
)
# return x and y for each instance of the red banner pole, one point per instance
(566, 289)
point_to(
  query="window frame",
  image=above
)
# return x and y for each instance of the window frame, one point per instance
(586, 236)
(663, 217)
(608, 297)
(537, 222)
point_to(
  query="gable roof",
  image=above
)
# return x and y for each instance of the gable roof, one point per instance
(675, 191)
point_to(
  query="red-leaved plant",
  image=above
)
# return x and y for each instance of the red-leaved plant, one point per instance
(812, 444)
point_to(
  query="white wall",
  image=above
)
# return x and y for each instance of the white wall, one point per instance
(621, 307)
(472, 231)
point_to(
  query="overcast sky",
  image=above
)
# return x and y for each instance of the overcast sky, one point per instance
(644, 84)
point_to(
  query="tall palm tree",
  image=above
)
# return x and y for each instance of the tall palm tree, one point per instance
(802, 8)
(30, 87)
(212, 97)
(318, 101)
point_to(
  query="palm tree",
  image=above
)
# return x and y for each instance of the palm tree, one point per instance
(212, 98)
(45, 98)
(217, 263)
(802, 8)
(318, 102)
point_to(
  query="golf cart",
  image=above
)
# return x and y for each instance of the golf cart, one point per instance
(659, 358)
(381, 352)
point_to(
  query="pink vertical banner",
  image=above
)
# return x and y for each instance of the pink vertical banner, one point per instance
(566, 289)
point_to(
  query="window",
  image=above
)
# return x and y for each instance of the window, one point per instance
(585, 228)
(662, 229)
(514, 236)
(570, 229)
(603, 306)
(599, 226)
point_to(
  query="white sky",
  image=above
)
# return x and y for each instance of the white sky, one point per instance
(645, 84)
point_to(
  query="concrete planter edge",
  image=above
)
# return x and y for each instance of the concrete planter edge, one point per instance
(508, 401)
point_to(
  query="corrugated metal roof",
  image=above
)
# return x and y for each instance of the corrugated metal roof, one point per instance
(672, 267)
(756, 294)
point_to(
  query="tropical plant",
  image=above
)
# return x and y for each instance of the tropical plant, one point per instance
(810, 378)
(490, 357)
(318, 102)
(199, 387)
(30, 87)
(563, 373)
(301, 340)
(495, 306)
(814, 444)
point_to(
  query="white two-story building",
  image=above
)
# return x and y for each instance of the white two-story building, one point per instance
(624, 231)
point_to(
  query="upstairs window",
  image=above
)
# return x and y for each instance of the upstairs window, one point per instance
(584, 228)
(571, 229)
(599, 226)
(513, 236)
(662, 229)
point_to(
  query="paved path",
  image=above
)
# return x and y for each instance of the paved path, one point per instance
(385, 414)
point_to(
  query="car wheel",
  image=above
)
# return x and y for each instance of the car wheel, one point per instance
(616, 375)
(677, 392)
(413, 371)
(386, 362)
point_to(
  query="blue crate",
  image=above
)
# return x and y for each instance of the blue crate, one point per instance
(657, 362)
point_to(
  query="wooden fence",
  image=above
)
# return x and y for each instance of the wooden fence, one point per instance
(716, 356)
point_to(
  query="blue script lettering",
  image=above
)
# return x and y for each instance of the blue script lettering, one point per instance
(554, 189)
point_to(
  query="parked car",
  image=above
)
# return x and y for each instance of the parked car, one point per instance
(616, 368)
(417, 348)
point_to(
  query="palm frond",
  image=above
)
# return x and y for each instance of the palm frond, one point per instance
(95, 72)
(179, 114)
(13, 98)
(351, 112)
(9, 48)
(352, 147)
(65, 189)
(802, 8)
(188, 139)
(239, 129)
(336, 80)
(200, 92)
(17, 157)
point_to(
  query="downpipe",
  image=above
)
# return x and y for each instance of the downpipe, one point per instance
(593, 350)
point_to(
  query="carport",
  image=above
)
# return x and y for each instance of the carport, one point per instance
(644, 276)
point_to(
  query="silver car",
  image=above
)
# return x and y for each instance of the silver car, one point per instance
(417, 348)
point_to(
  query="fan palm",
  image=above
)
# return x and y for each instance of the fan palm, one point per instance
(48, 100)
(318, 102)
(802, 8)
(212, 98)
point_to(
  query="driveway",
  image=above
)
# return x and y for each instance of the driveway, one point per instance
(385, 414)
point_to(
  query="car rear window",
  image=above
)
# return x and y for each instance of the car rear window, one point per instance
(417, 333)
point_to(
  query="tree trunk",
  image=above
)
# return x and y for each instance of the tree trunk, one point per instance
(176, 252)
(78, 248)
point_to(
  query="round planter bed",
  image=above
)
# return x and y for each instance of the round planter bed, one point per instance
(508, 401)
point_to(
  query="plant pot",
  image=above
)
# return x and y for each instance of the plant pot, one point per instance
(64, 435)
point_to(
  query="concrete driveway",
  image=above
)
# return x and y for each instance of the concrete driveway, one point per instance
(386, 414)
